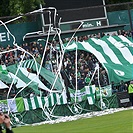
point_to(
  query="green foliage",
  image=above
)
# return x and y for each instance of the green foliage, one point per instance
(16, 7)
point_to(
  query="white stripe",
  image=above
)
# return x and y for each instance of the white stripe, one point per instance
(79, 96)
(93, 88)
(99, 56)
(40, 102)
(124, 39)
(26, 104)
(33, 103)
(72, 46)
(87, 88)
(2, 85)
(46, 101)
(52, 99)
(28, 64)
(109, 52)
(64, 97)
(90, 100)
(124, 50)
(58, 99)
(31, 64)
(20, 83)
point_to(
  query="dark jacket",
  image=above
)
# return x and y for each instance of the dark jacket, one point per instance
(7, 130)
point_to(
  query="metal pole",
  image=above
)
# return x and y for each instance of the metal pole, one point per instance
(105, 12)
(42, 18)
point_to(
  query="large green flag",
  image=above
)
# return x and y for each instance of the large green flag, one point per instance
(46, 74)
(115, 53)
(33, 85)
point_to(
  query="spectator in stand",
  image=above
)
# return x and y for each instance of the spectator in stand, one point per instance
(103, 78)
(80, 83)
(86, 61)
(123, 86)
(87, 80)
(114, 87)
(90, 64)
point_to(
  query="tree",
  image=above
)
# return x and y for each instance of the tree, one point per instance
(16, 7)
(4, 8)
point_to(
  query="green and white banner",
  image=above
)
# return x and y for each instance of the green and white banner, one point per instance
(88, 92)
(114, 52)
(105, 91)
(12, 105)
(79, 95)
(41, 102)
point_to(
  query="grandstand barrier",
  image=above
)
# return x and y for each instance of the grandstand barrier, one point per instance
(38, 115)
(123, 99)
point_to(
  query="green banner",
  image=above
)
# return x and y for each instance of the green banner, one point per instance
(105, 91)
(88, 92)
(12, 105)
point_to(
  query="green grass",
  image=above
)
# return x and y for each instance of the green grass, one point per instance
(119, 122)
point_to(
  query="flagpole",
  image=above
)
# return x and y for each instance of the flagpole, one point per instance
(76, 53)
(101, 99)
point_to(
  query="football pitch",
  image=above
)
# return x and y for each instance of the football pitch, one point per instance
(118, 122)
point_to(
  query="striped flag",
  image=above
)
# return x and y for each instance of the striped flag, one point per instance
(115, 53)
(90, 92)
(41, 102)
(86, 93)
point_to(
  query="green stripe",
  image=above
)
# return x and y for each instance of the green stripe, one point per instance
(116, 51)
(100, 49)
(20, 104)
(43, 101)
(55, 98)
(61, 99)
(30, 104)
(49, 101)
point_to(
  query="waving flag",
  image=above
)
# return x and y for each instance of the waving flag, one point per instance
(41, 102)
(115, 53)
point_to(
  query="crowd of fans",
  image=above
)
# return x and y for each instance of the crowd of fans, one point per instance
(86, 62)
